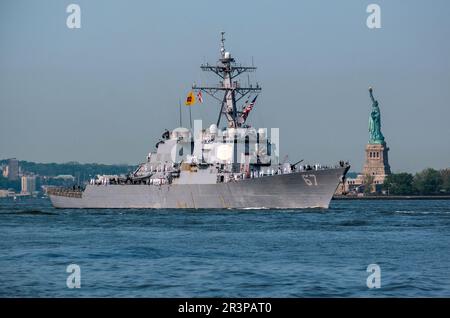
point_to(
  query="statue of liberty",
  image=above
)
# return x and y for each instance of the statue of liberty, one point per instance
(375, 135)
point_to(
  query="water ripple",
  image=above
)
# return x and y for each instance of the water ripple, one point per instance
(232, 253)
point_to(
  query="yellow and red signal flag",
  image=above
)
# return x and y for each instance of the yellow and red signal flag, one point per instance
(190, 99)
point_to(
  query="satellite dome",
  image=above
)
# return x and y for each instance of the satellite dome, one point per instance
(180, 132)
(213, 129)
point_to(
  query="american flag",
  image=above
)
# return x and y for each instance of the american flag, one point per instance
(249, 108)
(200, 97)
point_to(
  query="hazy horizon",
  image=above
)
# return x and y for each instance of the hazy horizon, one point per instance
(105, 93)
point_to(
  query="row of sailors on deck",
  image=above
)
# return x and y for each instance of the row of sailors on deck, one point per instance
(103, 181)
(308, 167)
(254, 174)
(158, 168)
(268, 172)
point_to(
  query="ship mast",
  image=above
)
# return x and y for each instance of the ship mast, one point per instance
(228, 70)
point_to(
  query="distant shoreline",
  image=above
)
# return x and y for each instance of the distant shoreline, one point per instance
(392, 197)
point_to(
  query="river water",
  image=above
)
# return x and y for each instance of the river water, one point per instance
(226, 253)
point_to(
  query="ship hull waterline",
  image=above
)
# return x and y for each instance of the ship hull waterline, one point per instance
(297, 190)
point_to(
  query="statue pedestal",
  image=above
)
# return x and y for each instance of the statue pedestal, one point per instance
(377, 163)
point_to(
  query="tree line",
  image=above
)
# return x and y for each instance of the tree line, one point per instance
(427, 182)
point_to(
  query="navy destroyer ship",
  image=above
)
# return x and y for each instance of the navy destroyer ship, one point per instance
(232, 166)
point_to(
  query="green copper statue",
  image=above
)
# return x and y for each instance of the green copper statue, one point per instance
(375, 135)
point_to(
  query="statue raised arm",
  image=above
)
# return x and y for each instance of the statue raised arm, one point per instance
(371, 95)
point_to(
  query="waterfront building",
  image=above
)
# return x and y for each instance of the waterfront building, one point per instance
(28, 184)
(6, 193)
(65, 177)
(5, 171)
(12, 170)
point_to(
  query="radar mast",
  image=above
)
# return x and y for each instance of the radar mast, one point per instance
(228, 71)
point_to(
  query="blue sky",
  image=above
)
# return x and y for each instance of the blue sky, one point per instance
(105, 92)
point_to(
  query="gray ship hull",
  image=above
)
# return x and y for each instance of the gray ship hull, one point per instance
(306, 189)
